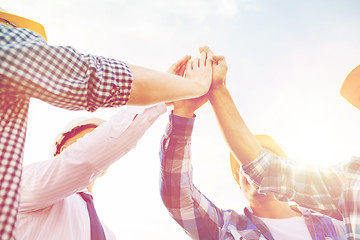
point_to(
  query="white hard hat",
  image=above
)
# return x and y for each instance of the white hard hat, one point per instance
(71, 126)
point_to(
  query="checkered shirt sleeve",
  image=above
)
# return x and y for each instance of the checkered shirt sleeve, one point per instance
(60, 75)
(333, 191)
(57, 75)
(199, 218)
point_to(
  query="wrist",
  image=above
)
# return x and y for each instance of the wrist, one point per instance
(216, 89)
(183, 112)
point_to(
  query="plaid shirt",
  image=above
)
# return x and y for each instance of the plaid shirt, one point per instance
(333, 191)
(197, 215)
(57, 75)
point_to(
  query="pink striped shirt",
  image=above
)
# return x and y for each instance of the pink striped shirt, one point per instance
(49, 205)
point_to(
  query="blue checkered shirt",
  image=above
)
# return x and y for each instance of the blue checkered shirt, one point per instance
(333, 191)
(197, 215)
(57, 75)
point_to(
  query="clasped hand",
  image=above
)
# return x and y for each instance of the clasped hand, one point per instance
(208, 65)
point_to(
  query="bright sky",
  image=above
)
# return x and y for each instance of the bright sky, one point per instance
(287, 61)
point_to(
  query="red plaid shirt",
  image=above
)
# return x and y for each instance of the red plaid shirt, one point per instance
(333, 191)
(201, 218)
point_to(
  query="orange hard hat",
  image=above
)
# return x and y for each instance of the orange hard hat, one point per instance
(350, 89)
(266, 143)
(20, 22)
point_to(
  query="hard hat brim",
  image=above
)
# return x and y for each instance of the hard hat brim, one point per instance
(71, 125)
(22, 22)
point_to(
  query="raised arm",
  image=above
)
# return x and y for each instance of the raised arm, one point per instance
(76, 167)
(289, 180)
(68, 79)
(241, 141)
(196, 214)
(187, 206)
(239, 138)
(150, 86)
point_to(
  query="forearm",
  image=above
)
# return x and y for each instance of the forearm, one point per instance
(241, 141)
(63, 77)
(176, 165)
(192, 210)
(151, 86)
(175, 170)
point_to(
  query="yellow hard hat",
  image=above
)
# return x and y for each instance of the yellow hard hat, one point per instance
(266, 143)
(350, 89)
(21, 22)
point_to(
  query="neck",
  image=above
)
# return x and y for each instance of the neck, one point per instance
(273, 209)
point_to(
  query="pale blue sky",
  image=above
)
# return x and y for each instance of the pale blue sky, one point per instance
(287, 61)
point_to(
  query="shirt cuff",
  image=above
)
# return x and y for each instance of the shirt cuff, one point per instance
(255, 171)
(182, 126)
(126, 116)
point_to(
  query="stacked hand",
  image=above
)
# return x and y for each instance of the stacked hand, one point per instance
(206, 64)
(219, 68)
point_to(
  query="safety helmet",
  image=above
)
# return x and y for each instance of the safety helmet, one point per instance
(21, 22)
(350, 88)
(76, 123)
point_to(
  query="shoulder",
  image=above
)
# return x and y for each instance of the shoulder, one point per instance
(21, 35)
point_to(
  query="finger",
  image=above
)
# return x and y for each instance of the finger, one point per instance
(196, 63)
(209, 60)
(181, 63)
(172, 69)
(218, 59)
(182, 70)
(203, 58)
(222, 60)
(175, 68)
(209, 54)
(182, 67)
(185, 59)
(188, 66)
(206, 49)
